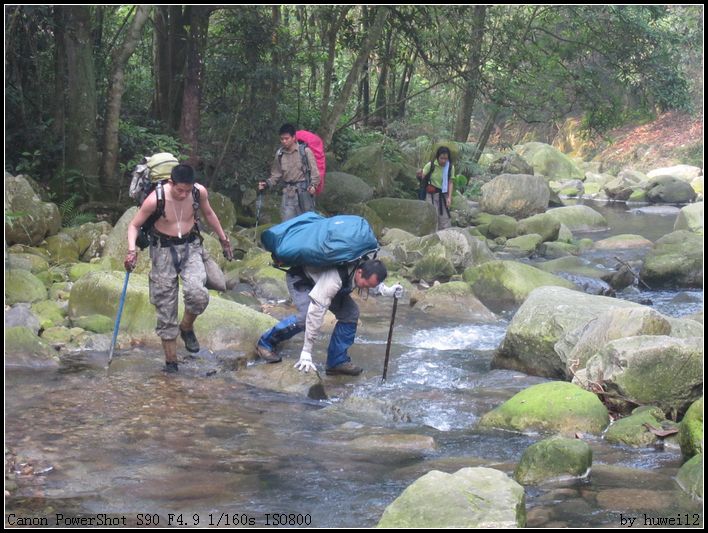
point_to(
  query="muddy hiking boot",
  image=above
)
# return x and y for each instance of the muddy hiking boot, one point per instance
(267, 355)
(190, 340)
(345, 369)
(171, 368)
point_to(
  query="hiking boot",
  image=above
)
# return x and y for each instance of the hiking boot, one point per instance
(171, 368)
(345, 369)
(190, 340)
(267, 355)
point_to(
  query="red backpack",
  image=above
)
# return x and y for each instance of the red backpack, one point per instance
(314, 143)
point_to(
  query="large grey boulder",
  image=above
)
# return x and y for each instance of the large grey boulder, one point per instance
(469, 498)
(384, 170)
(550, 162)
(516, 195)
(669, 190)
(579, 218)
(691, 431)
(28, 220)
(344, 190)
(685, 173)
(414, 216)
(657, 370)
(543, 319)
(455, 300)
(511, 163)
(675, 261)
(690, 218)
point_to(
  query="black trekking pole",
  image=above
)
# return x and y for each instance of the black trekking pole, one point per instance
(390, 335)
(117, 324)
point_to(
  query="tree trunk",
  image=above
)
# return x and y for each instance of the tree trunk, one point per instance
(115, 95)
(59, 124)
(170, 56)
(471, 76)
(405, 85)
(198, 17)
(331, 37)
(329, 122)
(81, 129)
(382, 91)
(486, 132)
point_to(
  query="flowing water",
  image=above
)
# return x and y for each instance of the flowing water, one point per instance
(202, 449)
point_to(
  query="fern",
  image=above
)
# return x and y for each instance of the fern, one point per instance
(71, 216)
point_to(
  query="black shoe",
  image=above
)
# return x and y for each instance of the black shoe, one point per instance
(190, 340)
(345, 369)
(171, 368)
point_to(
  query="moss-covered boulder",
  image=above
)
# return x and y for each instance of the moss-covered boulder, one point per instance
(343, 190)
(543, 319)
(455, 300)
(511, 163)
(62, 248)
(657, 370)
(502, 226)
(691, 432)
(26, 261)
(669, 190)
(28, 220)
(117, 244)
(623, 242)
(469, 498)
(224, 325)
(515, 195)
(256, 269)
(90, 238)
(543, 224)
(636, 430)
(24, 349)
(554, 458)
(690, 477)
(675, 261)
(383, 168)
(579, 218)
(49, 313)
(549, 161)
(578, 346)
(523, 246)
(224, 209)
(23, 286)
(504, 285)
(95, 323)
(690, 218)
(556, 406)
(413, 216)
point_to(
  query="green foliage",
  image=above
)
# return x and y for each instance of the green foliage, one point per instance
(693, 154)
(138, 141)
(71, 216)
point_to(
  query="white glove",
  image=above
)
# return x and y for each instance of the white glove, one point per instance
(305, 363)
(394, 290)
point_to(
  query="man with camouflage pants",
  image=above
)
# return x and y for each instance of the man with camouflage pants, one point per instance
(176, 252)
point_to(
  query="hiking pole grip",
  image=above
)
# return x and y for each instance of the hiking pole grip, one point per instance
(117, 324)
(388, 342)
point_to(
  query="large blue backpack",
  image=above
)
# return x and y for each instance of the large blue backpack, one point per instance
(313, 240)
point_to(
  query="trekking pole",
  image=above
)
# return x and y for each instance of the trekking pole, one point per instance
(259, 204)
(117, 325)
(390, 334)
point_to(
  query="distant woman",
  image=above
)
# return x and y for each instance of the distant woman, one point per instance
(438, 179)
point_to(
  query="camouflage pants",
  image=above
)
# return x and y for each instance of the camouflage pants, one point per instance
(296, 201)
(169, 263)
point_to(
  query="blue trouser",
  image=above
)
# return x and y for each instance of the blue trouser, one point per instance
(342, 306)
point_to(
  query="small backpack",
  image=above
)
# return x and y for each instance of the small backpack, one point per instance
(150, 176)
(307, 139)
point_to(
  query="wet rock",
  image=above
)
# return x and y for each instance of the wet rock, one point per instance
(690, 477)
(623, 242)
(24, 349)
(579, 218)
(23, 286)
(691, 432)
(397, 444)
(469, 498)
(516, 195)
(675, 261)
(21, 315)
(690, 218)
(454, 299)
(635, 430)
(543, 319)
(555, 406)
(578, 346)
(554, 458)
(635, 499)
(657, 370)
(503, 285)
(282, 377)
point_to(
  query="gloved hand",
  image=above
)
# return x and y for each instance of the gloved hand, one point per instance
(131, 260)
(305, 363)
(226, 247)
(395, 290)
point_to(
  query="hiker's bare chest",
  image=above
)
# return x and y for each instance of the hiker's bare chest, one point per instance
(178, 216)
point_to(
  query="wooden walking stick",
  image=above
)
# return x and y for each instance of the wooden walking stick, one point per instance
(390, 335)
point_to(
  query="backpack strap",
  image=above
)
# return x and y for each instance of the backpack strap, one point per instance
(306, 170)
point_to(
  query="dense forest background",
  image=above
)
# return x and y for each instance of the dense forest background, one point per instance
(89, 90)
